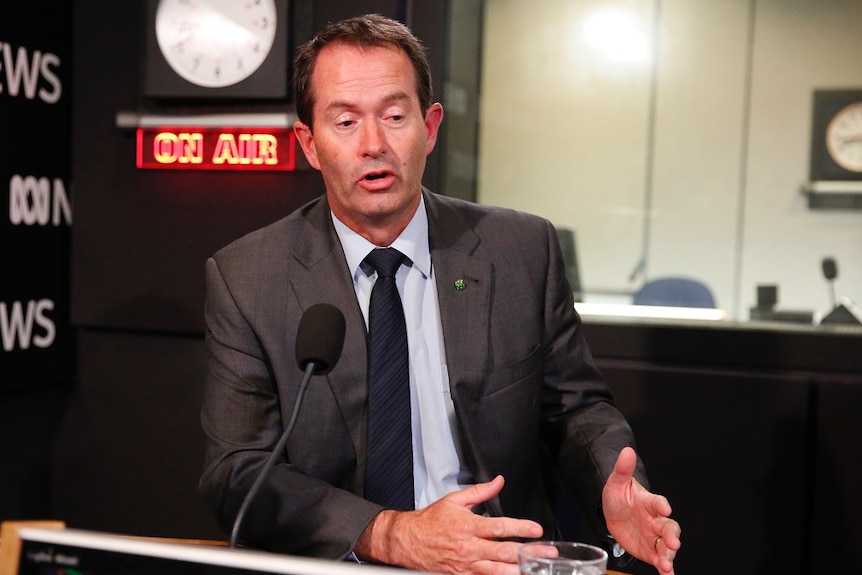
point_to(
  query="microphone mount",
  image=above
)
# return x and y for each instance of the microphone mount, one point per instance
(310, 370)
(319, 341)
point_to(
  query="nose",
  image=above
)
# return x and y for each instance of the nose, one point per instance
(373, 140)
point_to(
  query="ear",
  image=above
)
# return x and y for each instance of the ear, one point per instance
(306, 140)
(433, 119)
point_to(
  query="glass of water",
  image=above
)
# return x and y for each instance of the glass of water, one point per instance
(561, 558)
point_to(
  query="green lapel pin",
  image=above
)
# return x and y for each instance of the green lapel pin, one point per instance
(460, 284)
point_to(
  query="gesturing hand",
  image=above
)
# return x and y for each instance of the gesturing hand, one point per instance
(447, 537)
(639, 520)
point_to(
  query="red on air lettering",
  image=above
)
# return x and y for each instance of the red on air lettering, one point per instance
(216, 149)
(246, 149)
(184, 148)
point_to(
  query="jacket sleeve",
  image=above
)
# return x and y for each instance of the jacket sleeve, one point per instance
(241, 417)
(581, 426)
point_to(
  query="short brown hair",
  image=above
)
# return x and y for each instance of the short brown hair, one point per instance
(370, 30)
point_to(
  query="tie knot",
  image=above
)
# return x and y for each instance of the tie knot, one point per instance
(385, 261)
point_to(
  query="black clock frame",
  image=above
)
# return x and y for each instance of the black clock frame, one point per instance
(269, 81)
(827, 103)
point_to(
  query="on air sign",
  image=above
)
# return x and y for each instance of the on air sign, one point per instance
(188, 148)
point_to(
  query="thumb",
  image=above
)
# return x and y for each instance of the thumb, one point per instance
(624, 468)
(479, 493)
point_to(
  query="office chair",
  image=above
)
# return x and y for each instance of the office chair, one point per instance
(676, 292)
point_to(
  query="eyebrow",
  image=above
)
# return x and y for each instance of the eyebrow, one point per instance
(391, 98)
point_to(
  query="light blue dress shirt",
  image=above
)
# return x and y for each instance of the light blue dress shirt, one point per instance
(437, 468)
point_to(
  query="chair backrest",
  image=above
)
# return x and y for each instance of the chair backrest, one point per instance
(675, 291)
(570, 258)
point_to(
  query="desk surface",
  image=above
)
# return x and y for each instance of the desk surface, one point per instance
(742, 345)
(699, 317)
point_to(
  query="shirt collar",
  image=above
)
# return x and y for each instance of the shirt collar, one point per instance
(413, 243)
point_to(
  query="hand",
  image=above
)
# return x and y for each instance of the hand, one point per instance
(639, 520)
(447, 537)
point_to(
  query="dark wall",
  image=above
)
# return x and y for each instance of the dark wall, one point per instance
(749, 433)
(130, 448)
(836, 506)
(36, 342)
(729, 450)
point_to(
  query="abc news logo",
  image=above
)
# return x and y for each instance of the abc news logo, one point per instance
(29, 73)
(38, 201)
(26, 323)
(33, 202)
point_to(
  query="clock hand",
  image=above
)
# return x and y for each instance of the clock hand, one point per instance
(850, 140)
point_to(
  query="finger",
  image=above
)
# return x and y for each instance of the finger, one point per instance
(494, 568)
(664, 557)
(666, 547)
(670, 534)
(658, 505)
(506, 527)
(665, 564)
(497, 551)
(624, 467)
(666, 542)
(626, 461)
(478, 493)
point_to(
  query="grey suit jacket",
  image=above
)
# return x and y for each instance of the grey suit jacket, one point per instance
(520, 373)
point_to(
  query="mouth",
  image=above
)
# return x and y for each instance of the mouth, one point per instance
(378, 180)
(375, 176)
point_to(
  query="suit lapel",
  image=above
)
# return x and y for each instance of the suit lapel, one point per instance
(464, 294)
(322, 276)
(463, 291)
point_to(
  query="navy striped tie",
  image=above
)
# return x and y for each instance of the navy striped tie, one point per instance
(389, 471)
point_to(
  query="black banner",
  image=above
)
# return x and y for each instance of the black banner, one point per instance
(36, 341)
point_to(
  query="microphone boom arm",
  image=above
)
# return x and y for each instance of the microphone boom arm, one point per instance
(270, 461)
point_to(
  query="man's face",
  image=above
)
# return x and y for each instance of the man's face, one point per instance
(369, 137)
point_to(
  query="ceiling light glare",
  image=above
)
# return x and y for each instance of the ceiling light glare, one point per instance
(616, 34)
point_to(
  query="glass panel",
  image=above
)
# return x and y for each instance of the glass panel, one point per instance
(675, 141)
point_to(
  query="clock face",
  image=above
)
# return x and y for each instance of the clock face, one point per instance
(215, 43)
(844, 137)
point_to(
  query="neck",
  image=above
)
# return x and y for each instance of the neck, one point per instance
(380, 231)
(381, 234)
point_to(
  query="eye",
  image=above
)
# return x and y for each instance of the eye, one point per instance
(396, 118)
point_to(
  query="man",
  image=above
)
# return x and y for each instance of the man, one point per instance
(498, 369)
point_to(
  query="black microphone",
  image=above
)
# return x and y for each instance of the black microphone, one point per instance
(830, 272)
(319, 340)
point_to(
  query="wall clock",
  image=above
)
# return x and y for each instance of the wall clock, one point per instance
(217, 48)
(844, 137)
(836, 137)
